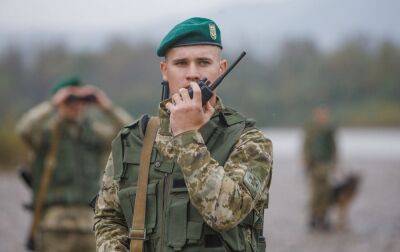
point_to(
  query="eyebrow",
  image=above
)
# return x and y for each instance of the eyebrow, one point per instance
(185, 59)
(178, 60)
(204, 58)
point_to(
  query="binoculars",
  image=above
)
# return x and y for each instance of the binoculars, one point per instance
(87, 98)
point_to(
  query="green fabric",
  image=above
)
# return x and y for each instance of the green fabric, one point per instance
(73, 81)
(320, 143)
(179, 225)
(193, 31)
(78, 167)
(128, 196)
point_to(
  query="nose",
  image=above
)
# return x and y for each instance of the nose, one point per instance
(193, 73)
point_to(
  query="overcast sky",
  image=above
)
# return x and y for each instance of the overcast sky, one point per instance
(99, 15)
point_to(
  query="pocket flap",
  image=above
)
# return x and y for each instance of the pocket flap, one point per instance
(133, 157)
(127, 201)
(194, 230)
(177, 223)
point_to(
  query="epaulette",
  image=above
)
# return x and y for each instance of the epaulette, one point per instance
(230, 117)
(140, 123)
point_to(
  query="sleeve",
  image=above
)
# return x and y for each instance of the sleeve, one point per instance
(30, 124)
(117, 118)
(224, 195)
(110, 227)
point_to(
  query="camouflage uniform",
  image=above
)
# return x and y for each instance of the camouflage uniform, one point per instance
(223, 195)
(319, 156)
(67, 221)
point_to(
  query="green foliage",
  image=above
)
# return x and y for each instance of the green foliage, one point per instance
(355, 80)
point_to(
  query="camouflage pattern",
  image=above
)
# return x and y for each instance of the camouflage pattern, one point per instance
(70, 226)
(111, 230)
(319, 144)
(44, 114)
(73, 222)
(223, 195)
(319, 156)
(65, 241)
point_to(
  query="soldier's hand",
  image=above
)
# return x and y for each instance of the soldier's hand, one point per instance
(101, 98)
(186, 113)
(62, 95)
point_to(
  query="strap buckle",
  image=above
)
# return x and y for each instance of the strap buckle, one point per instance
(137, 234)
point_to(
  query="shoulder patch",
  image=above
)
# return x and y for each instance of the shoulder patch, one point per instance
(252, 183)
(253, 179)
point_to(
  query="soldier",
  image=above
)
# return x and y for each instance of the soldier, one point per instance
(70, 143)
(320, 158)
(210, 168)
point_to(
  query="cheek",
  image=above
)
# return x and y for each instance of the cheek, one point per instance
(213, 74)
(176, 80)
(76, 108)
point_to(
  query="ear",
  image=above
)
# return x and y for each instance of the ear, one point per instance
(223, 65)
(163, 69)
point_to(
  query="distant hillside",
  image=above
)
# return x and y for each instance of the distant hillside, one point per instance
(260, 27)
(359, 83)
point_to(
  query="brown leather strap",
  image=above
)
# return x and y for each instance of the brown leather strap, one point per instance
(137, 234)
(50, 163)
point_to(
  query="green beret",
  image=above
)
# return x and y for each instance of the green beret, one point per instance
(69, 82)
(194, 31)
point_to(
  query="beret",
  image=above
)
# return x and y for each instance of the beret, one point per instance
(193, 31)
(73, 81)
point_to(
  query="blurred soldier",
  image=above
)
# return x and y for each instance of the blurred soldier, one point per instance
(63, 130)
(210, 168)
(320, 159)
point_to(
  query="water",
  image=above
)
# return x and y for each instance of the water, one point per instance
(375, 212)
(353, 143)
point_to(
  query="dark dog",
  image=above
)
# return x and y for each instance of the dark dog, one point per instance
(342, 195)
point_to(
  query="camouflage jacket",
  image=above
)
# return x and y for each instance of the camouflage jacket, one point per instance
(31, 128)
(32, 123)
(319, 144)
(219, 193)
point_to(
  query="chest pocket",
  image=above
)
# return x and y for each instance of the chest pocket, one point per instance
(127, 199)
(184, 224)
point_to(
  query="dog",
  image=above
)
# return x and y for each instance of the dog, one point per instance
(342, 194)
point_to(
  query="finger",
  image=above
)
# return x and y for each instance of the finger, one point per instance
(87, 90)
(196, 92)
(176, 98)
(209, 110)
(184, 94)
(63, 94)
(169, 106)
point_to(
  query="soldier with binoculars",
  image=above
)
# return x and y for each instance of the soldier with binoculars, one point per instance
(68, 140)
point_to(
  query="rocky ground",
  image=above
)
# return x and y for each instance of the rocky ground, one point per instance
(374, 216)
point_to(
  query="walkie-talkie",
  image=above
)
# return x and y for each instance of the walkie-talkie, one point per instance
(205, 85)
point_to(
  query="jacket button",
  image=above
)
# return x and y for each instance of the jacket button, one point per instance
(157, 164)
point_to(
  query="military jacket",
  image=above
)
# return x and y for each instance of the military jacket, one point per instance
(76, 173)
(319, 144)
(80, 151)
(194, 200)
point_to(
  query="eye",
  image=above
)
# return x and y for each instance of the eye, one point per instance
(180, 63)
(204, 62)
